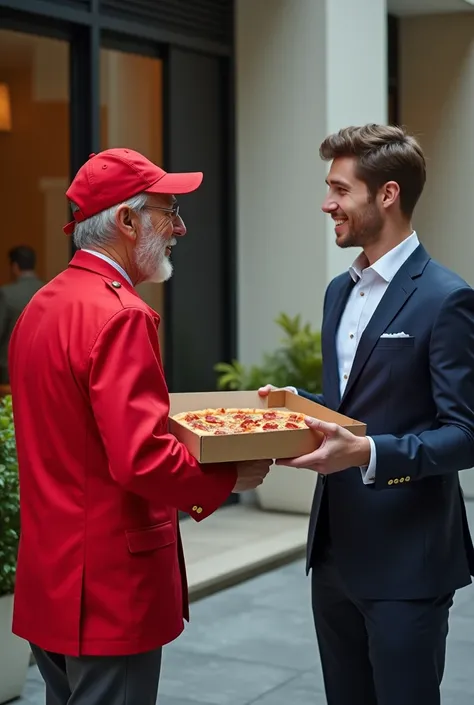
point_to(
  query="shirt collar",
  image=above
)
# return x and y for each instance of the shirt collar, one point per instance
(388, 265)
(112, 263)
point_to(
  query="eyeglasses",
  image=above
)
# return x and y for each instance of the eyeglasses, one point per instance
(173, 211)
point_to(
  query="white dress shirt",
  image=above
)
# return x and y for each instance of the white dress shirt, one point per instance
(371, 284)
(112, 263)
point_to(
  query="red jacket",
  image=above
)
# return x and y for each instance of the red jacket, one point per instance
(100, 566)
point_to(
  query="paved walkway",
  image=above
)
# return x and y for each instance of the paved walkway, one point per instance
(254, 643)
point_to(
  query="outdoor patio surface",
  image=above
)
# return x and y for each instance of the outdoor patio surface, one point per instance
(254, 643)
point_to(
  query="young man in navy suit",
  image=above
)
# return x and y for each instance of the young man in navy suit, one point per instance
(389, 541)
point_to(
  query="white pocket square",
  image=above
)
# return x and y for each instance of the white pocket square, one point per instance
(395, 335)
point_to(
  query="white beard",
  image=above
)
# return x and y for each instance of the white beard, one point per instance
(150, 255)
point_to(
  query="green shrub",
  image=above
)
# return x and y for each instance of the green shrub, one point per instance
(297, 362)
(9, 499)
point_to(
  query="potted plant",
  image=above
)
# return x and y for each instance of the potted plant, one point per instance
(14, 652)
(297, 362)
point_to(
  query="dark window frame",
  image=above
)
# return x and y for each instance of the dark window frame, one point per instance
(393, 61)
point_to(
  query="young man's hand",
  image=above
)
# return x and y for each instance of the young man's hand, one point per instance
(339, 449)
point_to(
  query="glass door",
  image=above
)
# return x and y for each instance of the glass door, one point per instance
(34, 150)
(132, 116)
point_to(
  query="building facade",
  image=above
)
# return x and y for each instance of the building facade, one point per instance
(79, 76)
(244, 90)
(305, 69)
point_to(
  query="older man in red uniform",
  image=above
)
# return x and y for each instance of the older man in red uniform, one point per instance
(101, 583)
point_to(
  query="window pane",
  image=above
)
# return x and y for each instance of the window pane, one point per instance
(132, 116)
(34, 150)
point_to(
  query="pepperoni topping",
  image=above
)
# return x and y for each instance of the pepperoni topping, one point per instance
(212, 419)
(200, 426)
(248, 422)
(222, 422)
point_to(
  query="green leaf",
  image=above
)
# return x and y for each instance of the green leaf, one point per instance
(9, 499)
(297, 362)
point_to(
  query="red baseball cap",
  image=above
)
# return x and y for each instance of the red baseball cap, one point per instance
(115, 175)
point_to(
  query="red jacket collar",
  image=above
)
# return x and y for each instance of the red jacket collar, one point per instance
(84, 260)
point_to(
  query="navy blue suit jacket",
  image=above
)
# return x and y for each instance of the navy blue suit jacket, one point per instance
(406, 536)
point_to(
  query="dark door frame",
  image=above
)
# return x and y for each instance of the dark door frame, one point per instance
(393, 61)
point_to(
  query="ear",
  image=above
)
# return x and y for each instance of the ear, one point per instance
(389, 194)
(126, 221)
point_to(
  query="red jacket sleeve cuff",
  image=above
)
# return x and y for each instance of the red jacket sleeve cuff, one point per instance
(221, 481)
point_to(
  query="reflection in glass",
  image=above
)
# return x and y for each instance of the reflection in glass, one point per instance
(34, 153)
(132, 116)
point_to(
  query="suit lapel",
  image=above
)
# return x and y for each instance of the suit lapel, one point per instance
(333, 317)
(397, 294)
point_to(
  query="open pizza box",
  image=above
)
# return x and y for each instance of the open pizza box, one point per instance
(259, 445)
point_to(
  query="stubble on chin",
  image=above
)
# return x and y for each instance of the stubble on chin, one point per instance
(365, 236)
(347, 241)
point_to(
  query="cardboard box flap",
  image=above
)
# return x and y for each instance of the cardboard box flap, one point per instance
(261, 444)
(194, 401)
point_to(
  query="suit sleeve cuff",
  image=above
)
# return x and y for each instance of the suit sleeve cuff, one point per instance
(368, 472)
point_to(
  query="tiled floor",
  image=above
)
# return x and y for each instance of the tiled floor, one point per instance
(238, 542)
(254, 643)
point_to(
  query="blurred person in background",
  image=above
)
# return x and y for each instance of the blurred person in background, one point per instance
(14, 297)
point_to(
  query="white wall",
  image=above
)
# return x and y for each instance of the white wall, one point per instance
(280, 118)
(437, 104)
(304, 69)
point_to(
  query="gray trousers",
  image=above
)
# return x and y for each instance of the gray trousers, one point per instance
(99, 680)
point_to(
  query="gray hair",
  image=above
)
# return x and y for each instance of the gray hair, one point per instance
(99, 230)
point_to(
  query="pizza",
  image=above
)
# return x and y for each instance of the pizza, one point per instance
(225, 422)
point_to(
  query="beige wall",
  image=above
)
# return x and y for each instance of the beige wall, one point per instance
(280, 61)
(304, 68)
(437, 104)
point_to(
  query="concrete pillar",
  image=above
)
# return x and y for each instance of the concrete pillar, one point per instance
(304, 69)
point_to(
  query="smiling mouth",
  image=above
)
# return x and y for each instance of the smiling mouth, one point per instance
(168, 247)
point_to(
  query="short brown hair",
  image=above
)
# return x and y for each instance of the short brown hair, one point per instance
(384, 153)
